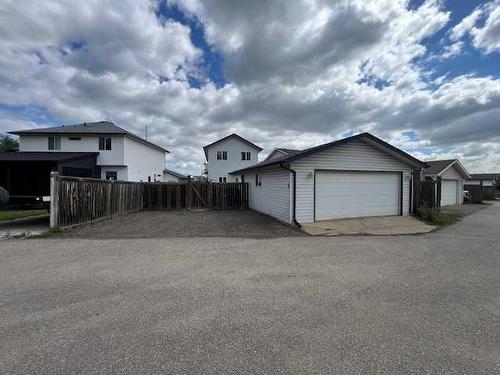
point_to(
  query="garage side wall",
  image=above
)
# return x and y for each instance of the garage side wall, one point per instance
(354, 156)
(272, 197)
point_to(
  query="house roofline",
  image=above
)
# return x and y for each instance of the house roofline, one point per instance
(325, 146)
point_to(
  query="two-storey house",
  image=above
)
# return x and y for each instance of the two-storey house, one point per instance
(229, 154)
(97, 149)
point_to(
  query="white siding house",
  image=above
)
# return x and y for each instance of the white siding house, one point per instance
(121, 154)
(354, 177)
(228, 154)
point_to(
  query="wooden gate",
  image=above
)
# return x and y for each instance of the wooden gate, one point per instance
(427, 193)
(195, 195)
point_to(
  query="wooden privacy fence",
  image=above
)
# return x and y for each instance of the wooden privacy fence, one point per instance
(193, 195)
(75, 200)
(427, 194)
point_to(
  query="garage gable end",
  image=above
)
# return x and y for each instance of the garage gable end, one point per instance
(451, 174)
(378, 167)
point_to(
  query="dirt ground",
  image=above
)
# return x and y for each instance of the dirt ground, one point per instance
(202, 223)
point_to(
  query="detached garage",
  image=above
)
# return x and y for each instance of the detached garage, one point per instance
(452, 175)
(359, 176)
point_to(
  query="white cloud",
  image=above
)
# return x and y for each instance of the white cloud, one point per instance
(300, 75)
(486, 37)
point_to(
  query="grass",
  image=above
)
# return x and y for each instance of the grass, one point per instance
(49, 233)
(17, 214)
(436, 217)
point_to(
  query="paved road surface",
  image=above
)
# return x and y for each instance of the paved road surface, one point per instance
(354, 305)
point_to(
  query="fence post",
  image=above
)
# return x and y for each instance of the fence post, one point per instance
(210, 198)
(189, 193)
(109, 189)
(54, 199)
(438, 193)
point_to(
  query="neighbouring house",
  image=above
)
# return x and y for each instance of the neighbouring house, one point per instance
(97, 149)
(172, 176)
(452, 175)
(488, 180)
(229, 154)
(359, 176)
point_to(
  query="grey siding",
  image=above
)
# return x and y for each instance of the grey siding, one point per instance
(273, 196)
(356, 155)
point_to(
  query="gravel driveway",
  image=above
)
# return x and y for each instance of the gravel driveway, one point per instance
(196, 223)
(311, 305)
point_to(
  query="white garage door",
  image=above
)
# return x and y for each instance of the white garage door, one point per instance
(448, 192)
(356, 194)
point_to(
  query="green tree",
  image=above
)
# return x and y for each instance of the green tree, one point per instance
(8, 143)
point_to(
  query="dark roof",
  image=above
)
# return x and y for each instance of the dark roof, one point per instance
(174, 173)
(100, 127)
(44, 156)
(229, 136)
(437, 166)
(485, 176)
(303, 153)
(288, 151)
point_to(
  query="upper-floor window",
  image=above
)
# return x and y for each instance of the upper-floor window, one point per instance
(222, 179)
(54, 143)
(105, 143)
(246, 155)
(221, 155)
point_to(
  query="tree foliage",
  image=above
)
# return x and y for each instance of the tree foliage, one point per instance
(8, 143)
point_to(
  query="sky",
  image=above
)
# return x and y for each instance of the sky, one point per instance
(423, 75)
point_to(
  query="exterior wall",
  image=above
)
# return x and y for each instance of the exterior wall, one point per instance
(473, 182)
(121, 172)
(221, 168)
(143, 161)
(88, 143)
(273, 197)
(356, 155)
(167, 177)
(451, 174)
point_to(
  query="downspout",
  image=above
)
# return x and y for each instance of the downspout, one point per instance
(294, 193)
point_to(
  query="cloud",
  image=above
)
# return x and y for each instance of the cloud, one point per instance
(486, 37)
(297, 75)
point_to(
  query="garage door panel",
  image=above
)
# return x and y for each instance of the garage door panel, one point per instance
(356, 194)
(448, 192)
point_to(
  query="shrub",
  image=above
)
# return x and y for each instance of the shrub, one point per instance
(435, 216)
(489, 195)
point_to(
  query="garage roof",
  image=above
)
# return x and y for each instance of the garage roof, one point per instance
(367, 137)
(438, 167)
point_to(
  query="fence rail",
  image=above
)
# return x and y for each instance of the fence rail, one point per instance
(76, 200)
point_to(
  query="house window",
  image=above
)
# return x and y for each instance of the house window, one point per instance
(111, 175)
(236, 180)
(105, 143)
(54, 143)
(258, 180)
(246, 155)
(75, 138)
(221, 155)
(222, 179)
